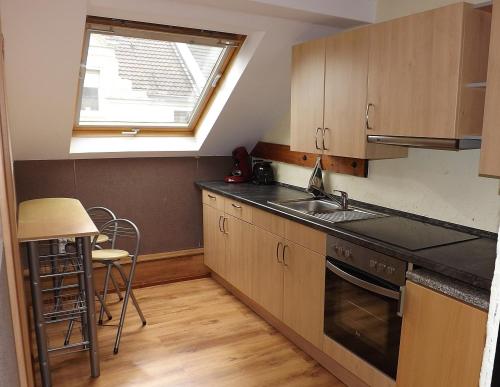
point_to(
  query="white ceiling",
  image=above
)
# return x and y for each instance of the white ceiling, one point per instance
(43, 41)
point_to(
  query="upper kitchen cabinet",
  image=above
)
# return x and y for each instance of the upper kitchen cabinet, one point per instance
(329, 90)
(346, 77)
(308, 88)
(422, 74)
(490, 156)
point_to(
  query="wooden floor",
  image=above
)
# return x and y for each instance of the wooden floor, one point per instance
(198, 334)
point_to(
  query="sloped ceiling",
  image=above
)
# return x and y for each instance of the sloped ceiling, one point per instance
(43, 42)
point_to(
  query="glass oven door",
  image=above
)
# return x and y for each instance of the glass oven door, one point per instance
(361, 313)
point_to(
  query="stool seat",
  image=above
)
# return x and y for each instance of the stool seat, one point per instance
(109, 254)
(101, 238)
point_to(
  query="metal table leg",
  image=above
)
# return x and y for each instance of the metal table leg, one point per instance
(36, 293)
(90, 301)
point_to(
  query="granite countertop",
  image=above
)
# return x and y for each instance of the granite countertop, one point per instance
(471, 262)
(471, 295)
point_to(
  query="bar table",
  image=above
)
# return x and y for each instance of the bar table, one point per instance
(45, 221)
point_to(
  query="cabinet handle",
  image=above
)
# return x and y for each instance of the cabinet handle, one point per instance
(324, 135)
(211, 196)
(277, 252)
(318, 130)
(368, 126)
(236, 206)
(220, 219)
(284, 255)
(224, 225)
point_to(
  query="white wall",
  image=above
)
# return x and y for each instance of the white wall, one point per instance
(438, 184)
(390, 9)
(43, 42)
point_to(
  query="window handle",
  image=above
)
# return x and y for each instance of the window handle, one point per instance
(131, 132)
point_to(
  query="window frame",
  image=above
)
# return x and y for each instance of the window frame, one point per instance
(231, 42)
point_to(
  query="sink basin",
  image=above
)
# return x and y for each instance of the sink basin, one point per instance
(310, 206)
(325, 210)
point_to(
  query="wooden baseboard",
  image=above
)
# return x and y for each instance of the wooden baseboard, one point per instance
(157, 269)
(317, 354)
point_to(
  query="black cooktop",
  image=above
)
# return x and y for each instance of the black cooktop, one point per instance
(404, 232)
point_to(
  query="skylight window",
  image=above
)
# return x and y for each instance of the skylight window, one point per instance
(148, 77)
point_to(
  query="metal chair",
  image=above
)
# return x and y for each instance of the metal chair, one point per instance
(100, 216)
(119, 231)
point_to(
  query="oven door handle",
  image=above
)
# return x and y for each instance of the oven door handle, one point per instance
(363, 284)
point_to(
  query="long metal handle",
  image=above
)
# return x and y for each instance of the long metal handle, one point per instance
(220, 227)
(284, 256)
(367, 117)
(278, 252)
(324, 135)
(236, 206)
(363, 284)
(316, 139)
(224, 225)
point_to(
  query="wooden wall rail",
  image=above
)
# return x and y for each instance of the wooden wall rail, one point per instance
(278, 152)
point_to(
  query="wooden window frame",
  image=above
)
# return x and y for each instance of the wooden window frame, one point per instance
(231, 42)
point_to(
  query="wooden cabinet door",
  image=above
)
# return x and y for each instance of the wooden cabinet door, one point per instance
(308, 82)
(414, 72)
(304, 290)
(442, 340)
(214, 240)
(490, 155)
(239, 253)
(267, 272)
(346, 87)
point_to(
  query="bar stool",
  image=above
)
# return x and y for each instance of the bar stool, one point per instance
(122, 231)
(100, 216)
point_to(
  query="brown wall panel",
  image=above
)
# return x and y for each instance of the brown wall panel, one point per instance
(158, 194)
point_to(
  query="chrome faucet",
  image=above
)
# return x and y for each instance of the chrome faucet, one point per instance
(317, 189)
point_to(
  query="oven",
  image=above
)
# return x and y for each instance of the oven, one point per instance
(364, 294)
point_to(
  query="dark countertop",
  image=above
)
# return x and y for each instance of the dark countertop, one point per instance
(471, 262)
(477, 297)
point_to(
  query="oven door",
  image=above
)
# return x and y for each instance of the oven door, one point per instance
(362, 314)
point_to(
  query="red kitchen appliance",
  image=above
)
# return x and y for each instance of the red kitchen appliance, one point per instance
(242, 169)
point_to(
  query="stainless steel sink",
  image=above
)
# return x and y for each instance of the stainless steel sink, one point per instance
(311, 206)
(325, 210)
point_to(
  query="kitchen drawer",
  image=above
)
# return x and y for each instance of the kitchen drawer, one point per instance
(265, 220)
(213, 200)
(238, 210)
(306, 236)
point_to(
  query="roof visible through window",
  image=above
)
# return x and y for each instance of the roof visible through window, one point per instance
(143, 80)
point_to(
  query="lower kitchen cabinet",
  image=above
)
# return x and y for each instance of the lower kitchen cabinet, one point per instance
(442, 340)
(267, 271)
(239, 253)
(304, 291)
(214, 239)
